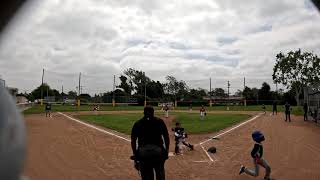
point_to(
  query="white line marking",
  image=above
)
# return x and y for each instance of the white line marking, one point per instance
(200, 161)
(94, 127)
(230, 129)
(206, 153)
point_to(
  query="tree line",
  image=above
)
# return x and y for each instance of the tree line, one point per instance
(294, 70)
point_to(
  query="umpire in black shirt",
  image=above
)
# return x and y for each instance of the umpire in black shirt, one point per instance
(151, 135)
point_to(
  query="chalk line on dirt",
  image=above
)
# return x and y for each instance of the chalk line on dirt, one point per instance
(225, 132)
(229, 130)
(207, 153)
(200, 161)
(94, 127)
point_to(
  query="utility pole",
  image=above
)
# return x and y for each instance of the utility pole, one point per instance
(244, 87)
(228, 96)
(42, 87)
(113, 96)
(210, 94)
(145, 94)
(79, 89)
(62, 94)
(47, 94)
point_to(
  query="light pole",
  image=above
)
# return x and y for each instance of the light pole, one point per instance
(113, 93)
(145, 94)
(42, 87)
(210, 94)
(228, 96)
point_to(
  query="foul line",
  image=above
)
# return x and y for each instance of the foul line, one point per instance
(206, 153)
(230, 129)
(94, 127)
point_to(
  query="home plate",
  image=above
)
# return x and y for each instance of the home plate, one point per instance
(171, 154)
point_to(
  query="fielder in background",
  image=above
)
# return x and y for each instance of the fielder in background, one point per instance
(274, 107)
(305, 109)
(287, 108)
(256, 154)
(264, 109)
(151, 135)
(96, 108)
(166, 110)
(180, 137)
(202, 112)
(48, 109)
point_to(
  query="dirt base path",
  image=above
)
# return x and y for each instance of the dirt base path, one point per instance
(59, 148)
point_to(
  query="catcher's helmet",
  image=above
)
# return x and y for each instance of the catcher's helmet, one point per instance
(257, 136)
(12, 138)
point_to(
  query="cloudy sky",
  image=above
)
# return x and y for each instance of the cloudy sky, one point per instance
(192, 40)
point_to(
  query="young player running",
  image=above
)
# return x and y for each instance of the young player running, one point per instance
(256, 154)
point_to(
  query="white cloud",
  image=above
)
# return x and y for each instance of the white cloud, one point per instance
(192, 40)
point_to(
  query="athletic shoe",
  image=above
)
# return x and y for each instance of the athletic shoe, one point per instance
(191, 147)
(266, 178)
(242, 169)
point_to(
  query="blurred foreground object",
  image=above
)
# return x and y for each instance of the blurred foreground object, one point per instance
(7, 10)
(12, 138)
(316, 3)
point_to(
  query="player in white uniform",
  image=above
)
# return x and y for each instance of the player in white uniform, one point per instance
(202, 112)
(166, 109)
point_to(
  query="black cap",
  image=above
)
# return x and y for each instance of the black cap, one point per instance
(148, 112)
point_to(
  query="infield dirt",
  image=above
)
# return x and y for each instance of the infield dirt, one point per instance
(59, 148)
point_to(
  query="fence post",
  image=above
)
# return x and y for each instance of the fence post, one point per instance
(78, 103)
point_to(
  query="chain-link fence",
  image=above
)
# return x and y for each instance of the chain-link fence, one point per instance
(312, 99)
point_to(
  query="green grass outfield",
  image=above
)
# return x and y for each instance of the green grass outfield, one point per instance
(190, 121)
(67, 108)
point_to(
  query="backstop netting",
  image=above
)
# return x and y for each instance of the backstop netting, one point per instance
(312, 98)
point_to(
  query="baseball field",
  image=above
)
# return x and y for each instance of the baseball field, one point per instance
(82, 144)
